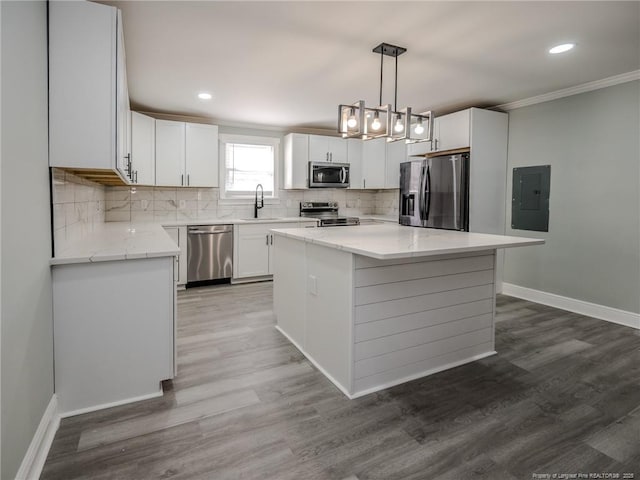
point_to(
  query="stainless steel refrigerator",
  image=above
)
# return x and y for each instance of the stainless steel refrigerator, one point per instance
(434, 192)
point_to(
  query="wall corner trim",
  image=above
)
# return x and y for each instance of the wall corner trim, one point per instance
(567, 92)
(33, 461)
(602, 312)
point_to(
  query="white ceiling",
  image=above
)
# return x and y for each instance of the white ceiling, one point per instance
(289, 64)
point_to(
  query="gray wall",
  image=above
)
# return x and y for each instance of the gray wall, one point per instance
(26, 322)
(593, 247)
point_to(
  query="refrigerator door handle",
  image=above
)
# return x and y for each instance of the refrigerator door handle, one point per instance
(454, 161)
(421, 194)
(428, 192)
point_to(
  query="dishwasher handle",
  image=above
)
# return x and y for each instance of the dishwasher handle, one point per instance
(209, 229)
(204, 232)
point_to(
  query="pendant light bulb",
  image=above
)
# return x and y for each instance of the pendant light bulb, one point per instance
(419, 129)
(352, 121)
(398, 127)
(375, 125)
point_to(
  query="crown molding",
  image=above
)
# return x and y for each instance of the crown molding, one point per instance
(566, 92)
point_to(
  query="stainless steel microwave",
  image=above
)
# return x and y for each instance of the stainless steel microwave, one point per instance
(328, 175)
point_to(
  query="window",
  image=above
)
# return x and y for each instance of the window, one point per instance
(247, 161)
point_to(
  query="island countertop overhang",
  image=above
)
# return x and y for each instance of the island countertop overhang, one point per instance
(385, 242)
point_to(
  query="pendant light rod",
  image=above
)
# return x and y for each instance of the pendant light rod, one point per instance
(395, 99)
(381, 64)
(391, 51)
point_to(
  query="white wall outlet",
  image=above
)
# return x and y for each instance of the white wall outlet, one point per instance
(312, 285)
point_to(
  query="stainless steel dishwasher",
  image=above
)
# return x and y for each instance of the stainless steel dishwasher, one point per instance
(209, 252)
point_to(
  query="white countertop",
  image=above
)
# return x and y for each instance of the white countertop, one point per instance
(117, 241)
(387, 241)
(126, 241)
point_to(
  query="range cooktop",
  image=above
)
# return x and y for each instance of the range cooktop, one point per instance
(327, 214)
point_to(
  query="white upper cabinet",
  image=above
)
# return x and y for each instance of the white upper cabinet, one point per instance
(143, 149)
(374, 153)
(374, 164)
(123, 110)
(88, 100)
(170, 153)
(337, 150)
(452, 131)
(396, 154)
(201, 158)
(354, 159)
(327, 149)
(296, 161)
(186, 154)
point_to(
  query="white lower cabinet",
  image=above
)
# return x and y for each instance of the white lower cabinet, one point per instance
(179, 235)
(253, 252)
(114, 331)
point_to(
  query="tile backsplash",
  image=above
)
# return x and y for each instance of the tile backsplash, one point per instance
(158, 204)
(78, 204)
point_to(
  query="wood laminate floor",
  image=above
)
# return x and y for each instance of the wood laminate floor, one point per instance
(561, 396)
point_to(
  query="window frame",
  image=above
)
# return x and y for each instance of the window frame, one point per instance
(223, 140)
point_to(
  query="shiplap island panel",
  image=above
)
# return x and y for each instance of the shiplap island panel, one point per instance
(375, 306)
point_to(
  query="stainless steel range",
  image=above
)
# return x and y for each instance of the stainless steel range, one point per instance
(327, 213)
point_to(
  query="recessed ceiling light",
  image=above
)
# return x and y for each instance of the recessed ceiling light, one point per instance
(565, 47)
(204, 96)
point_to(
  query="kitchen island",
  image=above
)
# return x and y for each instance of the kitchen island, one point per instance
(377, 305)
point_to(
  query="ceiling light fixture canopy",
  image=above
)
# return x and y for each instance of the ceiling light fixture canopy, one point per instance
(359, 121)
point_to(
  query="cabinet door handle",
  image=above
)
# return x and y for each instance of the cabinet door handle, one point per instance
(271, 239)
(135, 176)
(188, 179)
(267, 238)
(364, 183)
(182, 179)
(331, 156)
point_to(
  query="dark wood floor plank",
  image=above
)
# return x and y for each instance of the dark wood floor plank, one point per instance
(562, 395)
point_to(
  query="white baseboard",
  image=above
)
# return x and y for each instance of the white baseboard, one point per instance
(315, 364)
(95, 408)
(33, 461)
(621, 317)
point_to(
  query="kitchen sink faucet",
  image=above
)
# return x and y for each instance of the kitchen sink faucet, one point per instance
(255, 206)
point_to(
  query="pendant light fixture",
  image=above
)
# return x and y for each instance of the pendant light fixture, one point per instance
(359, 121)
